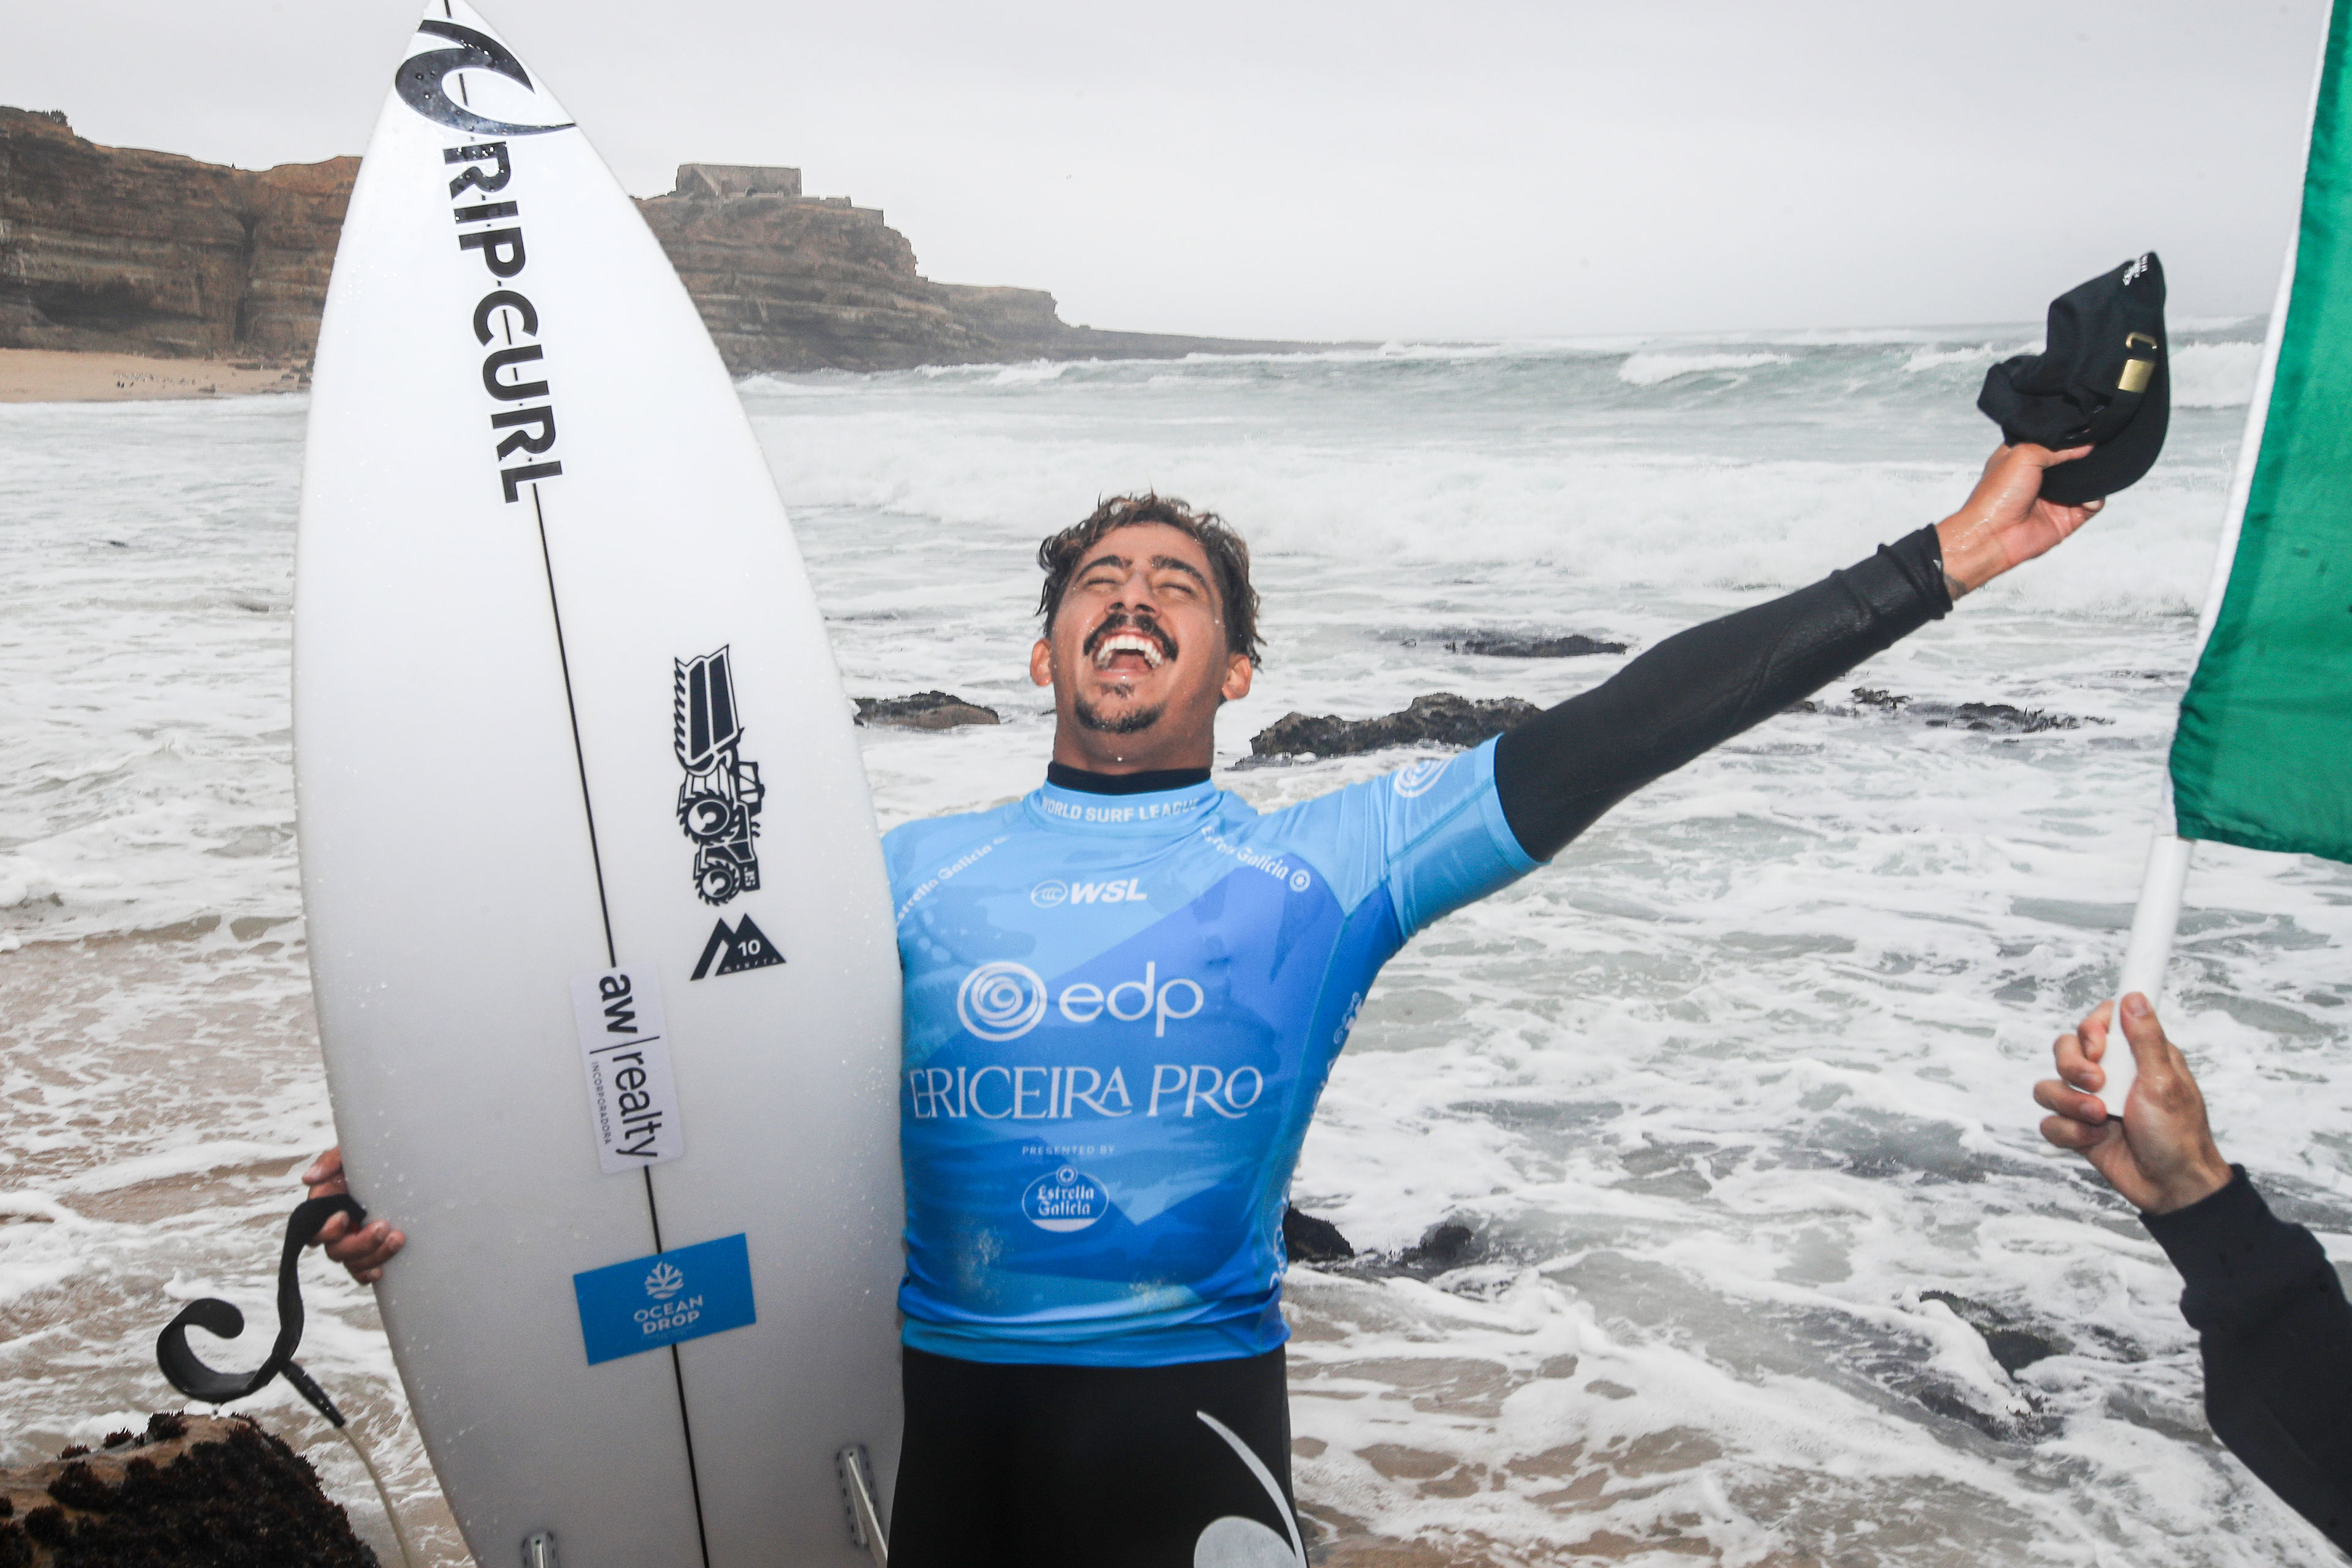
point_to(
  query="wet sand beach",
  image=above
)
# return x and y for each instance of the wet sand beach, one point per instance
(50, 375)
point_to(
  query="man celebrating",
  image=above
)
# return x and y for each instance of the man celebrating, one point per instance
(1125, 990)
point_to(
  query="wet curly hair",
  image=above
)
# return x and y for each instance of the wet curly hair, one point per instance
(1229, 559)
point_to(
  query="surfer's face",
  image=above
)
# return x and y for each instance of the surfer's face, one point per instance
(1137, 652)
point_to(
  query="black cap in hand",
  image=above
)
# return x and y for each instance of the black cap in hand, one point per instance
(2101, 381)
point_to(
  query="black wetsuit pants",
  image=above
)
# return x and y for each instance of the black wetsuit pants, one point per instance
(1090, 1467)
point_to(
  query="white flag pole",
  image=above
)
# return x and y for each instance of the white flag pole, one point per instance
(2158, 916)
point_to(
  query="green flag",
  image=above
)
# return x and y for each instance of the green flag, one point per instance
(2264, 753)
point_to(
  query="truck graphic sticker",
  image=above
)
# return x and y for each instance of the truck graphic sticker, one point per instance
(718, 804)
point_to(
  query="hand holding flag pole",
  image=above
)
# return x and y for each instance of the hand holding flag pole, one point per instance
(2262, 754)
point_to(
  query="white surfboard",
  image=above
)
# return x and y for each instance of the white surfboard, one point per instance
(598, 922)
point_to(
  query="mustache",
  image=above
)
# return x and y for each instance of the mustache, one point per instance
(1120, 621)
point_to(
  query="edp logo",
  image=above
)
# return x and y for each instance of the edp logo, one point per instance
(1420, 777)
(1001, 1001)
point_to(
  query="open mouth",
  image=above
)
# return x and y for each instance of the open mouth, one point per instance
(1129, 645)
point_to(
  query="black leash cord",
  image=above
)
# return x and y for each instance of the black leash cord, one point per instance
(186, 1371)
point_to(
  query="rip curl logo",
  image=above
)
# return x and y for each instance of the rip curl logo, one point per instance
(1001, 1001)
(664, 1282)
(1420, 777)
(1064, 1200)
(423, 81)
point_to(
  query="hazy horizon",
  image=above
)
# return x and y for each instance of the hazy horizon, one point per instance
(1371, 172)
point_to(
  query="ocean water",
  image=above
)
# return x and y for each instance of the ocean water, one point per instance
(1679, 1171)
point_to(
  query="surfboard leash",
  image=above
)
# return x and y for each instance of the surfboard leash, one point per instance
(186, 1371)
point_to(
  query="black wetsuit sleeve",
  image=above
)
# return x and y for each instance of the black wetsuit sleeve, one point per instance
(2277, 1338)
(1560, 771)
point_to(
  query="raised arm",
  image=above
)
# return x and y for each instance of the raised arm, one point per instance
(1560, 771)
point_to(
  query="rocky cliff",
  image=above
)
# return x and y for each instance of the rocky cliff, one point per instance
(114, 249)
(786, 282)
(151, 253)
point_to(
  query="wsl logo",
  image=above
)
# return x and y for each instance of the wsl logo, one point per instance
(423, 81)
(1064, 1200)
(1001, 1001)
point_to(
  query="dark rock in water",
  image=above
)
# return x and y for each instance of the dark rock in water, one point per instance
(1308, 1239)
(1946, 1404)
(192, 1492)
(1499, 646)
(923, 710)
(1438, 718)
(1999, 718)
(1448, 1243)
(2014, 1344)
(1994, 716)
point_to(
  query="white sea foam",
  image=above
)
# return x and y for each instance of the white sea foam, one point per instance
(2214, 375)
(1933, 357)
(1650, 369)
(1722, 1097)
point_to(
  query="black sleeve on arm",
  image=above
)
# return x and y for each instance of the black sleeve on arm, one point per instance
(1561, 770)
(2277, 1338)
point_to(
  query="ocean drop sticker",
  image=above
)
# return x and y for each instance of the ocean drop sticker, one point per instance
(664, 1299)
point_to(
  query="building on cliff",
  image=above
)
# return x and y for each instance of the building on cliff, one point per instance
(125, 251)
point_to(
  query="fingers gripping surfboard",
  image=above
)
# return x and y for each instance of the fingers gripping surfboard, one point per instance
(598, 922)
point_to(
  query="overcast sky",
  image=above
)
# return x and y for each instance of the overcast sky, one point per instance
(1301, 168)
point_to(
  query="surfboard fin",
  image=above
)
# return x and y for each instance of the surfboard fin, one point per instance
(857, 1501)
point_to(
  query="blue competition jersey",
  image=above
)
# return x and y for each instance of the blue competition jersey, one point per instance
(1120, 1013)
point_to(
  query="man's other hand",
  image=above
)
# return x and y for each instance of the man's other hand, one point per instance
(2005, 523)
(363, 1251)
(2161, 1155)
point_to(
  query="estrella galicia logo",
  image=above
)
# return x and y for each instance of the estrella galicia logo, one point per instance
(664, 1282)
(1001, 1001)
(422, 81)
(1050, 892)
(718, 804)
(1420, 777)
(1065, 1199)
(736, 949)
